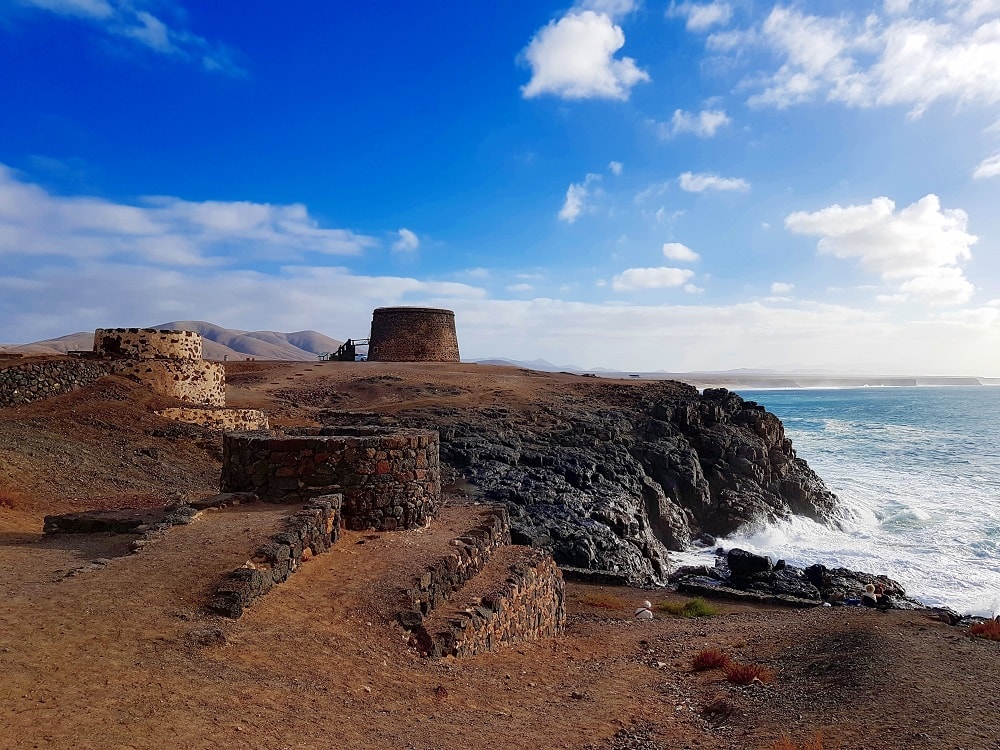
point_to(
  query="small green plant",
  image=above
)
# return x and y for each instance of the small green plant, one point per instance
(602, 601)
(696, 607)
(989, 630)
(744, 674)
(786, 743)
(709, 658)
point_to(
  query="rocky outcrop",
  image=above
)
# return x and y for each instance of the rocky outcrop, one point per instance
(611, 479)
(738, 574)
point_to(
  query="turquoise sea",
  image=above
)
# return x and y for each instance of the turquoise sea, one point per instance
(918, 473)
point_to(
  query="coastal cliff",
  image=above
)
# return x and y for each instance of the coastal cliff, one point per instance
(609, 477)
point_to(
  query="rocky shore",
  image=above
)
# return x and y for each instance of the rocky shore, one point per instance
(610, 477)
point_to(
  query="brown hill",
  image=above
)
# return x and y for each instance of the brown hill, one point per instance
(220, 343)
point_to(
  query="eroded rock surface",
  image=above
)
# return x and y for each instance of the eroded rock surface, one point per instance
(612, 477)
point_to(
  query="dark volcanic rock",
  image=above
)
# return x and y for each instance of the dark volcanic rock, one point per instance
(610, 476)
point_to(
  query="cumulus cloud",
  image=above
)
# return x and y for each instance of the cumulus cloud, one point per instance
(918, 248)
(988, 167)
(407, 242)
(780, 287)
(613, 8)
(574, 58)
(576, 198)
(703, 124)
(952, 52)
(615, 167)
(699, 183)
(160, 229)
(135, 21)
(677, 251)
(701, 16)
(635, 279)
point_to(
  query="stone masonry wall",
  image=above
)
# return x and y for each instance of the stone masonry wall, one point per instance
(218, 419)
(24, 382)
(197, 382)
(390, 478)
(147, 343)
(309, 532)
(413, 334)
(449, 574)
(527, 605)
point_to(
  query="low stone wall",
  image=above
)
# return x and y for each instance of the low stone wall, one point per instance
(449, 574)
(147, 343)
(527, 605)
(24, 382)
(390, 477)
(194, 381)
(309, 532)
(218, 419)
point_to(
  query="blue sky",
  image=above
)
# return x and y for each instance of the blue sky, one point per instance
(642, 185)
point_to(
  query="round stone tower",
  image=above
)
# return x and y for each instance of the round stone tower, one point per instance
(413, 334)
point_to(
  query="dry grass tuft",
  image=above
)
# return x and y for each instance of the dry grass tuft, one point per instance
(603, 601)
(744, 674)
(786, 743)
(709, 658)
(989, 630)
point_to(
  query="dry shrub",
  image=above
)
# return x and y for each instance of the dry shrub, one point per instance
(744, 674)
(603, 601)
(786, 743)
(989, 630)
(7, 500)
(709, 658)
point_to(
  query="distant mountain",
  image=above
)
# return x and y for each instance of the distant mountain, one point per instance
(219, 343)
(542, 365)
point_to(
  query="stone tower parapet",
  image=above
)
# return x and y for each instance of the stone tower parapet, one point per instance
(147, 343)
(413, 334)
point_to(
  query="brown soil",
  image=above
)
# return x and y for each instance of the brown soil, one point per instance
(120, 654)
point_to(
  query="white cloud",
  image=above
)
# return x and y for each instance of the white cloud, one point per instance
(869, 61)
(988, 167)
(407, 242)
(162, 230)
(613, 8)
(519, 288)
(576, 198)
(698, 183)
(677, 251)
(919, 247)
(701, 16)
(633, 279)
(703, 124)
(693, 289)
(135, 22)
(615, 167)
(574, 58)
(780, 287)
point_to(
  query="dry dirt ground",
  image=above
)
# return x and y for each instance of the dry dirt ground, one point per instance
(119, 653)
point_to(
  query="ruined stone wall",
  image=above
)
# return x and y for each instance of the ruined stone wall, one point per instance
(147, 343)
(413, 334)
(197, 382)
(449, 574)
(528, 604)
(309, 532)
(218, 419)
(390, 478)
(24, 382)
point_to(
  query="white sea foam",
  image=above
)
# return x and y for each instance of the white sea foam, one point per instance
(918, 474)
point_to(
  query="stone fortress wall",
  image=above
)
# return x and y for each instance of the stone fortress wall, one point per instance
(413, 334)
(167, 362)
(389, 478)
(147, 343)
